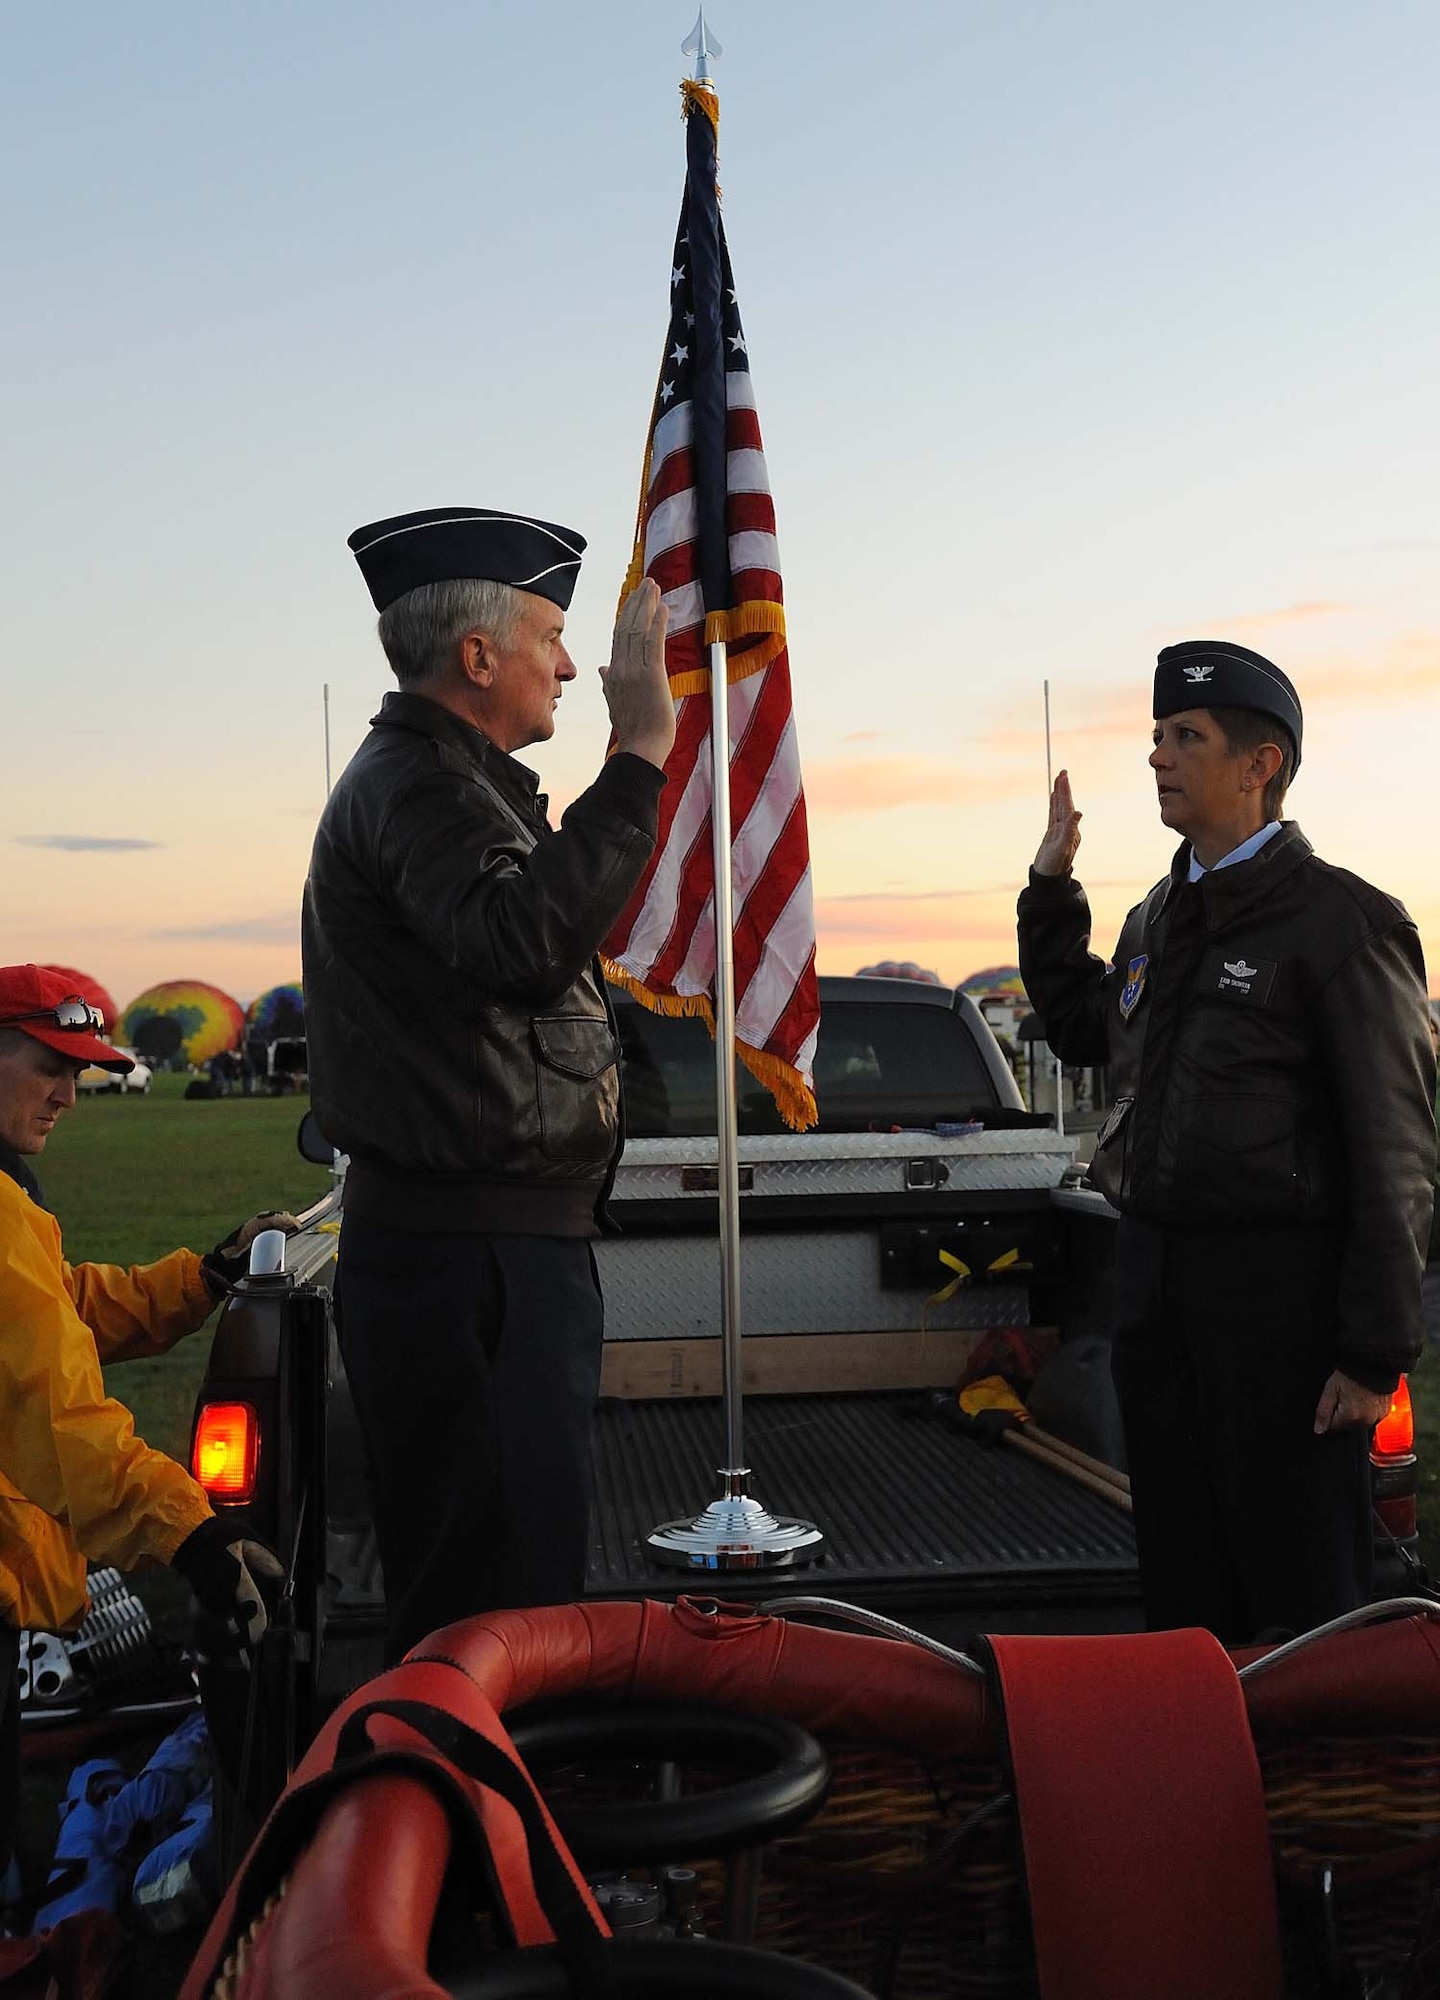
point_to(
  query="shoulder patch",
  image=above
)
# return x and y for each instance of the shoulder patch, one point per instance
(1134, 986)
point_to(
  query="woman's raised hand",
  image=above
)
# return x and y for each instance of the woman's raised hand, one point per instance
(1056, 854)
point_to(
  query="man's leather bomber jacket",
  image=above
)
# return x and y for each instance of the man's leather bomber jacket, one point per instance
(1269, 1064)
(461, 1045)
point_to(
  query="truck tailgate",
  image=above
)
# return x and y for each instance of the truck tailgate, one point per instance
(908, 1506)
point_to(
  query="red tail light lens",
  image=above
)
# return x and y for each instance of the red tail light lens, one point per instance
(226, 1451)
(1395, 1432)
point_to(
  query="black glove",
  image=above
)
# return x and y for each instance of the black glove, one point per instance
(221, 1568)
(229, 1260)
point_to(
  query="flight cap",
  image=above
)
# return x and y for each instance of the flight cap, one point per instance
(442, 544)
(1216, 673)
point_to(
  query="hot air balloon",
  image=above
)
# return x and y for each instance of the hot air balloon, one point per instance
(276, 1013)
(903, 968)
(180, 1021)
(994, 979)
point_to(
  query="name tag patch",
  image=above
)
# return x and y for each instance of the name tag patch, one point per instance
(1233, 975)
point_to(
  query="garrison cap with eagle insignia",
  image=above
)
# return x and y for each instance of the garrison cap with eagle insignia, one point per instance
(445, 543)
(1214, 673)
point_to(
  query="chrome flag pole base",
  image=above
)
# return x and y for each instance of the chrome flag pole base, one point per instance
(735, 1532)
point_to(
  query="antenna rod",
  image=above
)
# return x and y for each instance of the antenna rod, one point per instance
(327, 739)
(1049, 775)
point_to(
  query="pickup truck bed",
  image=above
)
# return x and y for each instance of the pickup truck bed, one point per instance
(920, 1523)
(910, 1509)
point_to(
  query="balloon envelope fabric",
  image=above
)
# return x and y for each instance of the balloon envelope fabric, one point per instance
(995, 979)
(181, 1018)
(277, 1014)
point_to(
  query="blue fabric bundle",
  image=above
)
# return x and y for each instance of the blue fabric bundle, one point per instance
(178, 1882)
(107, 1824)
(86, 1874)
(147, 1809)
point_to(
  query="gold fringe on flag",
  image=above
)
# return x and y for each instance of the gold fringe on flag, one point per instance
(700, 97)
(675, 1004)
(793, 1097)
(758, 619)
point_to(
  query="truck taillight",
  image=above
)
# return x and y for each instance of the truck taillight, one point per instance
(226, 1451)
(1395, 1432)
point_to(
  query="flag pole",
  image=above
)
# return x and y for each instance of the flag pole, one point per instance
(1058, 1066)
(727, 1109)
(735, 1531)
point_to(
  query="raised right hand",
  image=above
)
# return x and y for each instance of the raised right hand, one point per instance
(642, 708)
(1056, 853)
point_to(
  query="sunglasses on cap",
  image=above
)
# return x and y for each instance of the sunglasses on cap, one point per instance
(74, 1014)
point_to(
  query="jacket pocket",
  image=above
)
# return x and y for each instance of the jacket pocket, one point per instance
(578, 1087)
(1241, 1155)
(1107, 1162)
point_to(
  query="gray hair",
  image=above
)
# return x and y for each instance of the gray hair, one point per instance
(421, 630)
(11, 1039)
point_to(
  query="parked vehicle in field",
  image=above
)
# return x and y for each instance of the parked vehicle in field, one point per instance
(93, 1078)
(928, 1222)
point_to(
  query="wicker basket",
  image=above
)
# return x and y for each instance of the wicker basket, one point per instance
(909, 1880)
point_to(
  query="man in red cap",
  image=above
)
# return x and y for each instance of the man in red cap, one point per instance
(75, 1481)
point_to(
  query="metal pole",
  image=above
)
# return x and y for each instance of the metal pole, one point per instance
(1059, 1097)
(327, 739)
(726, 1107)
(735, 1531)
(1049, 790)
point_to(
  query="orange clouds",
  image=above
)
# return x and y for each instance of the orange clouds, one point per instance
(1264, 621)
(1117, 714)
(1404, 669)
(1397, 671)
(881, 784)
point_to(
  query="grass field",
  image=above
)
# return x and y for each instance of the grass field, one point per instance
(130, 1177)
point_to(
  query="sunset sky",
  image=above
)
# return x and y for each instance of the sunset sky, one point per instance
(1075, 330)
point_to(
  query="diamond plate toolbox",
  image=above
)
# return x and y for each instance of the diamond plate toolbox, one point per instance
(809, 1278)
(806, 1164)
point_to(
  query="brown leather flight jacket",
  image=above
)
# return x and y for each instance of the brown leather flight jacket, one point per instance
(1269, 1062)
(460, 1041)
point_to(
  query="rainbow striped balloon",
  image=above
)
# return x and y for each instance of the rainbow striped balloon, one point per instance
(276, 1014)
(184, 1019)
(994, 979)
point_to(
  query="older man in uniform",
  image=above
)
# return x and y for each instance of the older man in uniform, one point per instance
(463, 1052)
(1270, 1151)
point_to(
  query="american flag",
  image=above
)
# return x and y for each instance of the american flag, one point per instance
(706, 534)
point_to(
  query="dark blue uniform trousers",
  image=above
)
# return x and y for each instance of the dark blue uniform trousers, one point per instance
(1244, 1519)
(474, 1363)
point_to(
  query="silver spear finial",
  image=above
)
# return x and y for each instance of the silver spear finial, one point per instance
(701, 44)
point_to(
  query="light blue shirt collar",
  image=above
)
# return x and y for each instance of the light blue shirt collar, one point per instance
(1243, 852)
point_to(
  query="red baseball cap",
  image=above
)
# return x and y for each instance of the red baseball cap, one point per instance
(46, 1005)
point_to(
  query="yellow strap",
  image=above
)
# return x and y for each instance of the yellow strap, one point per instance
(962, 1276)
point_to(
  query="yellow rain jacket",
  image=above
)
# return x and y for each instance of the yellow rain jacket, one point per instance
(75, 1481)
